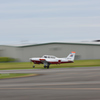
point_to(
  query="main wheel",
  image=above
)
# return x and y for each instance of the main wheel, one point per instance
(44, 66)
(48, 67)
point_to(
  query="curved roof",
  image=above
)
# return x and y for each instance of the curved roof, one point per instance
(68, 43)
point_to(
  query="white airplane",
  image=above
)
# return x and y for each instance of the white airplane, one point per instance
(49, 59)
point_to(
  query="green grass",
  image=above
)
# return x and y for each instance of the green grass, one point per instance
(28, 65)
(14, 75)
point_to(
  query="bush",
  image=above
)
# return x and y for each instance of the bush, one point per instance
(6, 59)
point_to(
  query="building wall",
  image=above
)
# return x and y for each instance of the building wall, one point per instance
(23, 53)
(60, 50)
(1, 51)
(8, 51)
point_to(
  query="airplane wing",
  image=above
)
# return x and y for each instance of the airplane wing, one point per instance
(43, 60)
(46, 63)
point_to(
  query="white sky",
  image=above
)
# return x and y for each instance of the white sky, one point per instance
(36, 21)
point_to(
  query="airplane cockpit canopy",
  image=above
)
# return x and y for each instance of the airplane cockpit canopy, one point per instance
(49, 56)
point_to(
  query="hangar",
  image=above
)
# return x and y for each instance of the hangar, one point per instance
(89, 50)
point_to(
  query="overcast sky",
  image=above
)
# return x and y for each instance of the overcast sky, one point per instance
(37, 21)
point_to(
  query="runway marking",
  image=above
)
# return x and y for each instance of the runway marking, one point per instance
(50, 89)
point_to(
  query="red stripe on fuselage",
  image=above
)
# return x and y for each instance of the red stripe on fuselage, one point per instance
(42, 59)
(60, 62)
(39, 62)
(36, 62)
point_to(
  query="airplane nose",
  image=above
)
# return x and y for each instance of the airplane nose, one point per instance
(30, 59)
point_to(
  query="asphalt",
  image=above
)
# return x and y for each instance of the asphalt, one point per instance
(52, 84)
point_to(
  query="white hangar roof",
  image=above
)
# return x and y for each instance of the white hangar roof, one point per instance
(69, 43)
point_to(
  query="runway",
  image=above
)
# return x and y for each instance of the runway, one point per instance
(53, 84)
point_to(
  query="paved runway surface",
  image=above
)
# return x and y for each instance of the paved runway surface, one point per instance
(53, 84)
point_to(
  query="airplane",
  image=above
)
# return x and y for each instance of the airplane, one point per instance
(50, 59)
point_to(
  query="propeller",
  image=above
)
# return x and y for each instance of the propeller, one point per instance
(30, 61)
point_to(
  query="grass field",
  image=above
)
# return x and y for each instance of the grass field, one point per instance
(28, 65)
(14, 75)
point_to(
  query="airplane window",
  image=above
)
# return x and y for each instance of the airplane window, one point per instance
(53, 57)
(49, 57)
(45, 56)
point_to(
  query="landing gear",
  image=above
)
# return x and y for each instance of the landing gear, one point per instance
(33, 66)
(45, 66)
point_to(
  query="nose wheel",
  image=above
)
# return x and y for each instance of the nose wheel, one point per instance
(33, 66)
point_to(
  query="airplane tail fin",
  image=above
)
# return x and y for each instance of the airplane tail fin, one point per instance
(71, 56)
